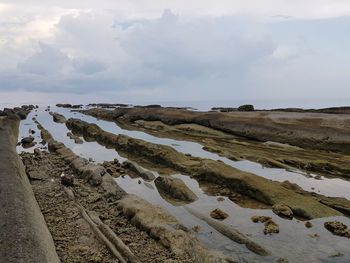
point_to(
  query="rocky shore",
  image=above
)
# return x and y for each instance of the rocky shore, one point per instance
(314, 131)
(66, 207)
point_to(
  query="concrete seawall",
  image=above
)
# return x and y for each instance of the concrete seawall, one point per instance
(24, 236)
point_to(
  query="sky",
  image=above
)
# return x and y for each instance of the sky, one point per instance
(161, 50)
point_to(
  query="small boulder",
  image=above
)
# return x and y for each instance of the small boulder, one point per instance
(337, 228)
(270, 226)
(282, 211)
(218, 214)
(67, 180)
(27, 140)
(308, 224)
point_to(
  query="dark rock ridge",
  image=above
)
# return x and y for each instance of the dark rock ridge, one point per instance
(148, 106)
(19, 112)
(306, 130)
(24, 236)
(331, 110)
(108, 105)
(67, 105)
(246, 107)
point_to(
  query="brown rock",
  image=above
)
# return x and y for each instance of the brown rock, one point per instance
(337, 228)
(218, 214)
(261, 219)
(308, 224)
(27, 140)
(270, 226)
(282, 211)
(174, 188)
(67, 180)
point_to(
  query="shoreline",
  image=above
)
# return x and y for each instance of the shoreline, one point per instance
(96, 190)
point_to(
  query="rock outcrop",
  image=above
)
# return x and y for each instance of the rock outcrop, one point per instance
(255, 187)
(165, 228)
(307, 130)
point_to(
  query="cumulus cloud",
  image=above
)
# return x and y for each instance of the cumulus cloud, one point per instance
(173, 56)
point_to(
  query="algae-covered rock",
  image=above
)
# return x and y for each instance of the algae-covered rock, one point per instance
(165, 228)
(174, 188)
(337, 228)
(218, 214)
(282, 210)
(58, 117)
(270, 226)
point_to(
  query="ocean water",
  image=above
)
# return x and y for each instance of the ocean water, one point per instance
(25, 98)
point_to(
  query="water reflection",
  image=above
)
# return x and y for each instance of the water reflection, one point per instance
(334, 187)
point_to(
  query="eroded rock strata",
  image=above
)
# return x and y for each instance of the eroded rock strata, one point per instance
(255, 187)
(216, 138)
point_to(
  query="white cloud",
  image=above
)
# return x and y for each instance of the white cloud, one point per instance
(212, 52)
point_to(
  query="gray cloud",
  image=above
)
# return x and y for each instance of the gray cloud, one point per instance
(88, 66)
(173, 57)
(48, 60)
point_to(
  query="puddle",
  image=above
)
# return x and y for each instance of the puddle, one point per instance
(24, 131)
(333, 187)
(293, 233)
(59, 132)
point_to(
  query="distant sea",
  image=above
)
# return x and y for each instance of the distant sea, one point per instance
(206, 104)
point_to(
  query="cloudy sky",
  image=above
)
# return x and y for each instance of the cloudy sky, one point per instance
(159, 50)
